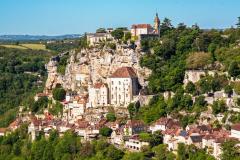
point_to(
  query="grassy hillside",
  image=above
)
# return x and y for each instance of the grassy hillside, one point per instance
(26, 46)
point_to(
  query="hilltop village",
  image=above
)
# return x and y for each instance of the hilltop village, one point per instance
(104, 81)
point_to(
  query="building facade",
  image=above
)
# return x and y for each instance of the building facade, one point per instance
(123, 85)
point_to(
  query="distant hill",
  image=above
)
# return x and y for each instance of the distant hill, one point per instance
(37, 37)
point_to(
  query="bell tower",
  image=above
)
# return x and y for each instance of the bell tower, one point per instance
(157, 24)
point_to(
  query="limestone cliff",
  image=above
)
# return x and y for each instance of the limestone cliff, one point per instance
(92, 65)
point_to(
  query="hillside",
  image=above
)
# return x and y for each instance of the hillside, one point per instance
(22, 74)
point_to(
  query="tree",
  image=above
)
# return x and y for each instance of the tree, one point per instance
(105, 131)
(219, 107)
(228, 90)
(117, 34)
(165, 26)
(161, 152)
(41, 103)
(234, 69)
(190, 88)
(111, 117)
(101, 30)
(181, 152)
(238, 23)
(127, 36)
(59, 93)
(133, 156)
(230, 150)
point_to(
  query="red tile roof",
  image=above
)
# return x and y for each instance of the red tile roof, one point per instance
(3, 130)
(141, 26)
(98, 85)
(124, 72)
(236, 127)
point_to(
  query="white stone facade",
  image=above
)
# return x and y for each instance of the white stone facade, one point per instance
(98, 95)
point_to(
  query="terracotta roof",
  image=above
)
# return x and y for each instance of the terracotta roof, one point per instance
(162, 121)
(236, 127)
(3, 130)
(124, 72)
(98, 85)
(141, 26)
(135, 123)
(82, 124)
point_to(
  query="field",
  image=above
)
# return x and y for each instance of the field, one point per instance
(26, 46)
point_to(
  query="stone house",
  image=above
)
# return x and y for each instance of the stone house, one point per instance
(117, 138)
(133, 127)
(76, 108)
(34, 127)
(96, 38)
(164, 123)
(139, 29)
(135, 144)
(98, 95)
(123, 85)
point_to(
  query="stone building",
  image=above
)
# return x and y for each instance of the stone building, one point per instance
(98, 95)
(96, 38)
(137, 30)
(123, 85)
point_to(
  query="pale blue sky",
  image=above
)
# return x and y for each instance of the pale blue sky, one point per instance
(54, 17)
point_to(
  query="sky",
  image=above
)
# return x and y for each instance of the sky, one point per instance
(58, 17)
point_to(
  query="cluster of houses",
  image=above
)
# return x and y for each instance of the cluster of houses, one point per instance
(126, 135)
(119, 91)
(138, 31)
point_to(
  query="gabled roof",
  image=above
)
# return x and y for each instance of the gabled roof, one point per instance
(124, 72)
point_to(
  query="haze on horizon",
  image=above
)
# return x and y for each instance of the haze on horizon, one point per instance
(58, 17)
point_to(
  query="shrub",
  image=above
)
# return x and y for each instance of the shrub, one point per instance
(105, 131)
(198, 60)
(59, 94)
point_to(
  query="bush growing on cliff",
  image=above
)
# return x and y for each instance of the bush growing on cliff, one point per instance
(59, 93)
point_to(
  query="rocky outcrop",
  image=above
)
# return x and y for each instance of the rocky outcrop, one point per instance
(92, 65)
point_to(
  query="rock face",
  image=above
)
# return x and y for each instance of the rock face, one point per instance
(94, 65)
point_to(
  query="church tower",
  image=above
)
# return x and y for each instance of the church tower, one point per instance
(157, 24)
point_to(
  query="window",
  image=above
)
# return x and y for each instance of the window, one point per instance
(112, 82)
(112, 95)
(126, 95)
(119, 82)
(119, 96)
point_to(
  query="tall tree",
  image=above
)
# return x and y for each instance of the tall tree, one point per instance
(238, 23)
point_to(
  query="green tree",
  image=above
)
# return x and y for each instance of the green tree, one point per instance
(127, 36)
(117, 33)
(234, 69)
(190, 88)
(230, 150)
(59, 93)
(219, 107)
(181, 152)
(111, 117)
(228, 90)
(101, 30)
(238, 23)
(41, 103)
(133, 156)
(105, 131)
